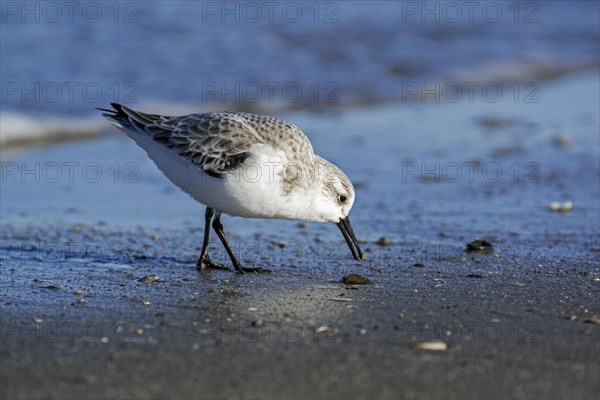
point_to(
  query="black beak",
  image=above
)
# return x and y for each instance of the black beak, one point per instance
(348, 233)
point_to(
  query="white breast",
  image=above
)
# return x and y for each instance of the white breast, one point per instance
(254, 190)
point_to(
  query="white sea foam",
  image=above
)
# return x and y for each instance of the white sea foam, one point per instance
(19, 132)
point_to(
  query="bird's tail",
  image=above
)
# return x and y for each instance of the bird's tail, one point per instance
(125, 118)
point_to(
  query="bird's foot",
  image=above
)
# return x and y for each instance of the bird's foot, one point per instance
(242, 270)
(207, 263)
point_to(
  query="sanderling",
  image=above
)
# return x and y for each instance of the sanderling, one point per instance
(208, 154)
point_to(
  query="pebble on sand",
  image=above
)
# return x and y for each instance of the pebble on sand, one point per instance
(557, 206)
(480, 245)
(432, 346)
(592, 320)
(149, 279)
(477, 276)
(384, 241)
(355, 279)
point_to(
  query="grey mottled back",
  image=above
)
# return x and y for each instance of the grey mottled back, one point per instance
(217, 142)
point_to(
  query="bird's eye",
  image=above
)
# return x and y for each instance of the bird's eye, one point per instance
(342, 199)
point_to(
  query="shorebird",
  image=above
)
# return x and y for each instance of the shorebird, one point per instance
(207, 154)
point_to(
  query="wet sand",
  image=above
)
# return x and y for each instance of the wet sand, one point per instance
(83, 317)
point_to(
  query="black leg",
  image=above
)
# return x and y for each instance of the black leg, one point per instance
(218, 227)
(204, 261)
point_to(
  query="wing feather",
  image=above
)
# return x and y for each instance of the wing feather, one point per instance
(217, 142)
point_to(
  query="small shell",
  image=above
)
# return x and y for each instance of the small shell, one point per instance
(432, 346)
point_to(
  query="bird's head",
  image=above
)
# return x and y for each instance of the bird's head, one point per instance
(333, 198)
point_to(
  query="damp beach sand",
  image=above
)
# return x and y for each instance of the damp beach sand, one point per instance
(100, 297)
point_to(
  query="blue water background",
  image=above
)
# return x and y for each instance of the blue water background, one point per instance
(240, 53)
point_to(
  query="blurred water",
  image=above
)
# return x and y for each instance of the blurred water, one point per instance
(58, 60)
